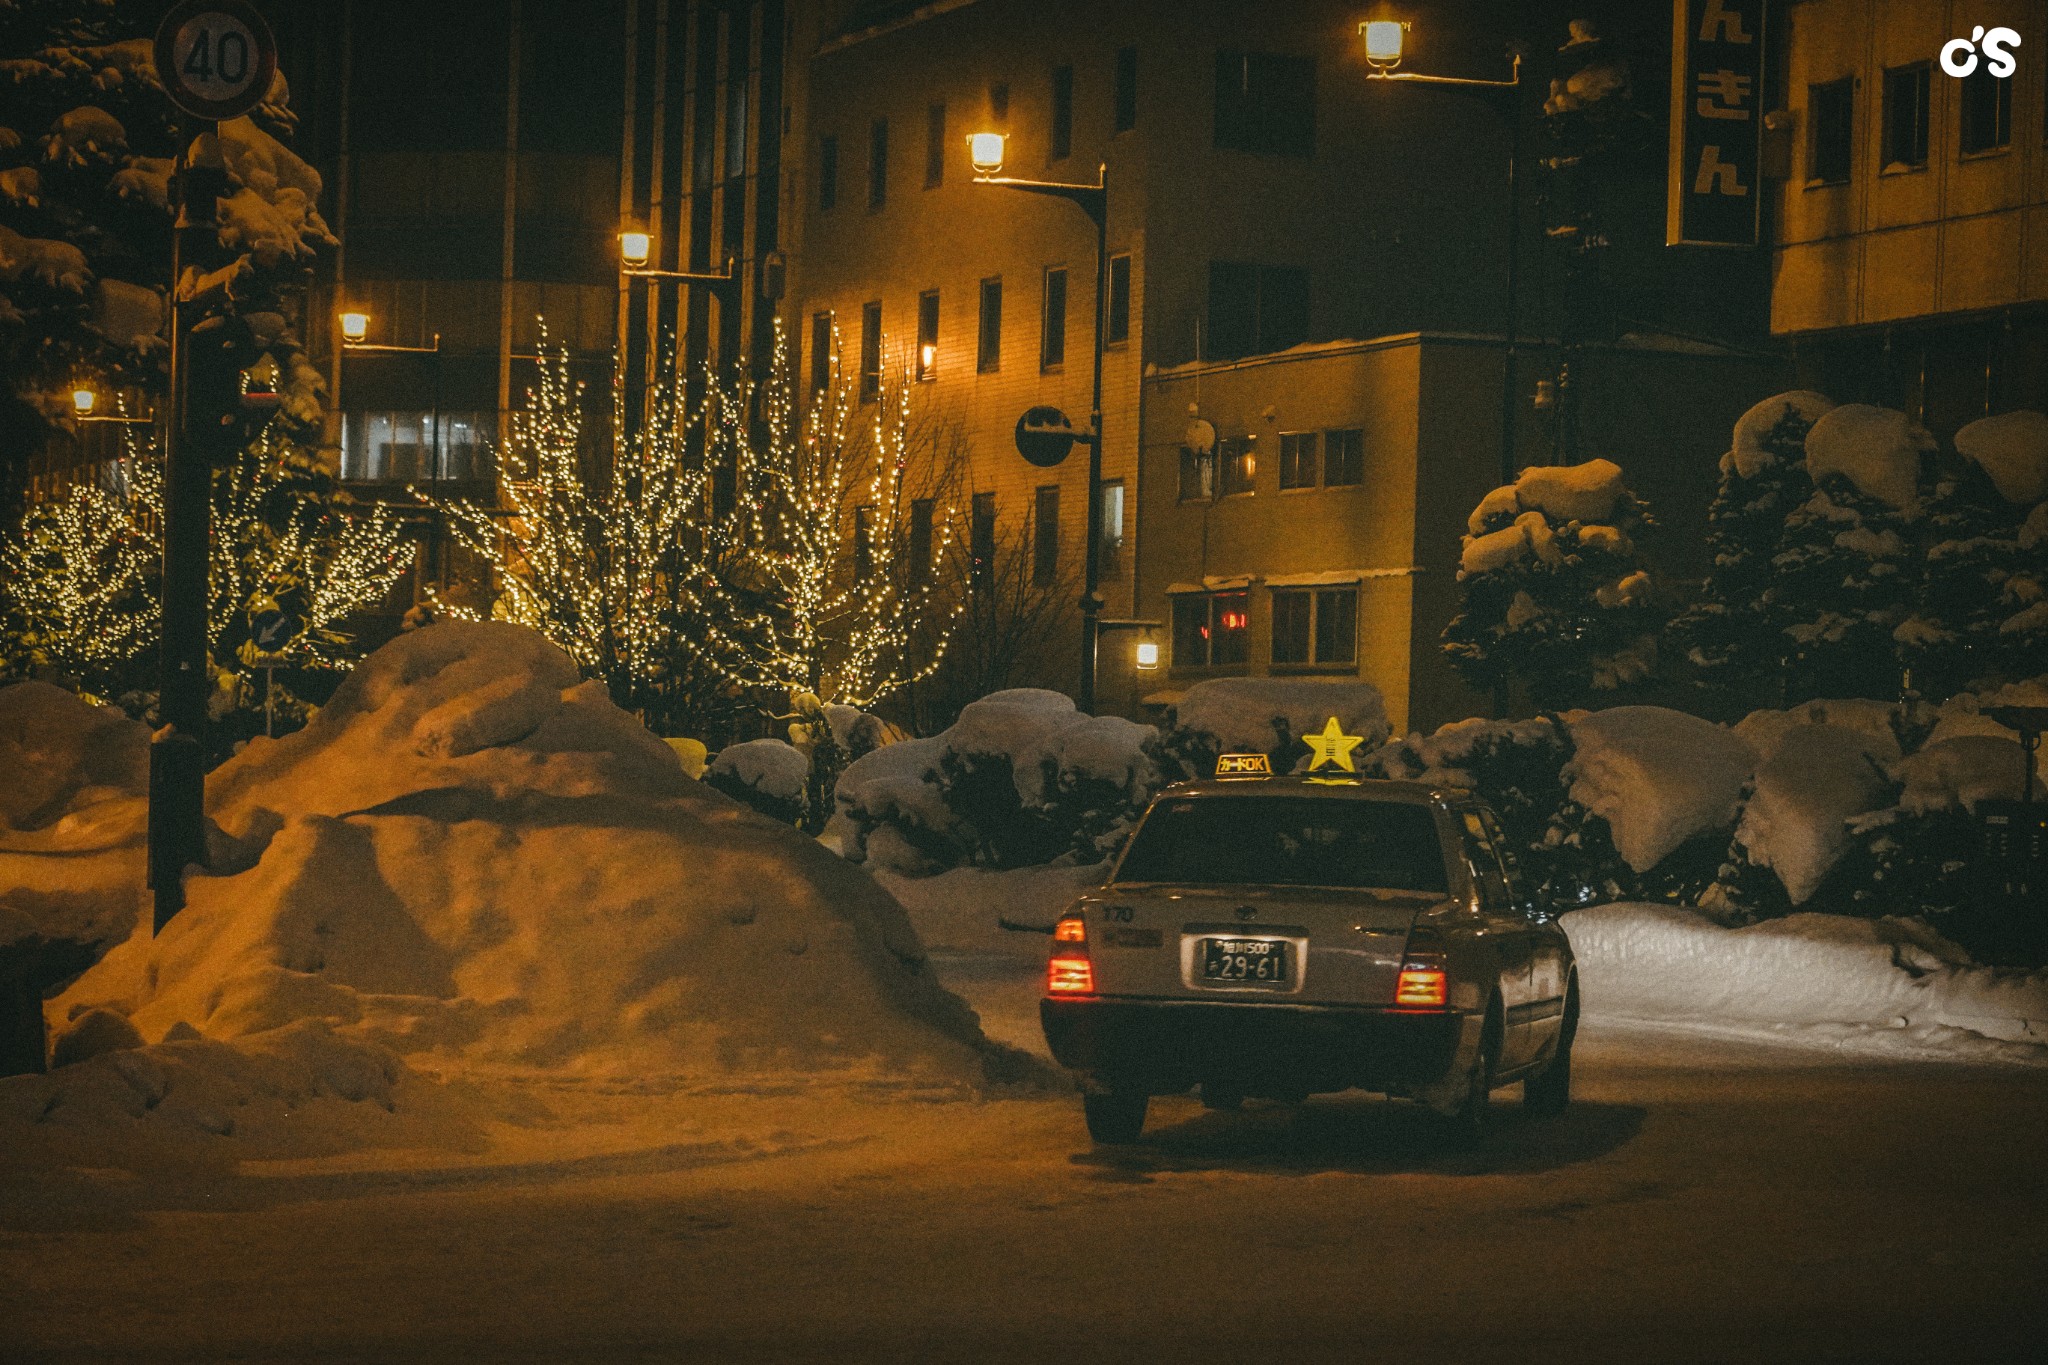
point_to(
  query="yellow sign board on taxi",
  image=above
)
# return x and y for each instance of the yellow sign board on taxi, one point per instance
(1244, 765)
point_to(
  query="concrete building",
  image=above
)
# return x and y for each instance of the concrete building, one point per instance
(1911, 229)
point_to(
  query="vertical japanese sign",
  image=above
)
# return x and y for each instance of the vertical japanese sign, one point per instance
(1717, 77)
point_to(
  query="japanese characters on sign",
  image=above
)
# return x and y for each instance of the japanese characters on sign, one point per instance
(1717, 70)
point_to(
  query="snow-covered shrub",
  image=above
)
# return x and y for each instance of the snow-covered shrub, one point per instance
(1555, 592)
(1020, 778)
(1268, 716)
(767, 774)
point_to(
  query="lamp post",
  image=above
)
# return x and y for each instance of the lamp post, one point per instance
(1384, 40)
(636, 248)
(985, 151)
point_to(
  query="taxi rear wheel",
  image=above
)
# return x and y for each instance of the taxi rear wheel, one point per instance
(1117, 1117)
(1466, 1125)
(1550, 1094)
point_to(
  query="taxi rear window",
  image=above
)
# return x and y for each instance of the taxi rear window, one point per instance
(1287, 841)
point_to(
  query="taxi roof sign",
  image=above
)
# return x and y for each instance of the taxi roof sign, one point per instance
(1244, 765)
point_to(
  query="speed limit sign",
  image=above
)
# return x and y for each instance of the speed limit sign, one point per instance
(215, 57)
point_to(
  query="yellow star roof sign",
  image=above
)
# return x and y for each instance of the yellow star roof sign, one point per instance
(1332, 746)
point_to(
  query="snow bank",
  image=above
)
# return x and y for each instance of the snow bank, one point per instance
(472, 863)
(962, 910)
(1657, 777)
(1813, 778)
(73, 815)
(1961, 772)
(1876, 449)
(769, 766)
(1261, 714)
(1809, 972)
(1749, 453)
(2012, 448)
(1873, 721)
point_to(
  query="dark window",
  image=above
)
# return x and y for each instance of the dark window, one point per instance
(988, 354)
(1830, 107)
(921, 512)
(870, 352)
(878, 164)
(1336, 625)
(1986, 111)
(821, 352)
(1905, 115)
(928, 334)
(1298, 459)
(828, 172)
(1117, 329)
(981, 540)
(1062, 111)
(1045, 536)
(1052, 337)
(1191, 630)
(999, 101)
(1266, 103)
(1269, 840)
(1126, 89)
(863, 543)
(1197, 474)
(1240, 463)
(1293, 626)
(1230, 627)
(1111, 546)
(1254, 309)
(1343, 457)
(934, 145)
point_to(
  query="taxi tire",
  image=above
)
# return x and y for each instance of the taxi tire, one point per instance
(1549, 1094)
(1466, 1125)
(1115, 1118)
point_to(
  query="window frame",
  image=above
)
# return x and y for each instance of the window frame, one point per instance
(821, 351)
(935, 144)
(1352, 442)
(1052, 330)
(1116, 326)
(871, 351)
(1320, 604)
(1818, 94)
(878, 165)
(2001, 113)
(1309, 443)
(1921, 74)
(1237, 466)
(988, 348)
(1060, 143)
(927, 336)
(1110, 546)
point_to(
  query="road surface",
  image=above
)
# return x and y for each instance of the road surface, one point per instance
(1705, 1200)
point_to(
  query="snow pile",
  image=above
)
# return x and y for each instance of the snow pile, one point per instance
(1961, 772)
(768, 766)
(1875, 449)
(129, 315)
(72, 815)
(2012, 448)
(1864, 980)
(273, 213)
(1657, 777)
(40, 260)
(1812, 779)
(472, 863)
(81, 136)
(1751, 451)
(1239, 715)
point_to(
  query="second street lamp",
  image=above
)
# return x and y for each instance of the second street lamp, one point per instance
(985, 152)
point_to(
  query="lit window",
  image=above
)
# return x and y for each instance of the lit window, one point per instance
(1240, 464)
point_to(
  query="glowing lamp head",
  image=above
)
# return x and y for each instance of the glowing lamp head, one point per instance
(635, 248)
(985, 150)
(354, 326)
(1148, 654)
(1383, 39)
(82, 401)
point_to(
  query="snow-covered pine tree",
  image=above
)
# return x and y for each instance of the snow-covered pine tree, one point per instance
(1556, 594)
(1950, 640)
(1727, 632)
(1844, 571)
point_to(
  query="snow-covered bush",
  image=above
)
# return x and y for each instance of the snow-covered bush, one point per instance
(767, 774)
(1555, 592)
(1020, 778)
(1267, 716)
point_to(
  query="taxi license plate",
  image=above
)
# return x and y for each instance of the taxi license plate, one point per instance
(1246, 961)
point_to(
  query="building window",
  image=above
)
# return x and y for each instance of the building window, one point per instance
(1265, 103)
(1045, 536)
(1343, 458)
(402, 447)
(863, 543)
(1986, 112)
(1211, 630)
(928, 335)
(1255, 309)
(1117, 329)
(1905, 117)
(821, 352)
(1052, 337)
(1240, 463)
(934, 146)
(1062, 112)
(1315, 626)
(981, 541)
(1110, 548)
(1830, 108)
(1126, 113)
(999, 101)
(988, 353)
(870, 352)
(1298, 459)
(878, 164)
(921, 514)
(1197, 474)
(828, 173)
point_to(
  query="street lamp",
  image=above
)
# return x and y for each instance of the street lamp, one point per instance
(985, 152)
(354, 327)
(82, 401)
(1384, 40)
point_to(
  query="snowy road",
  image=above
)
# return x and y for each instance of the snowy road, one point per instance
(1708, 1200)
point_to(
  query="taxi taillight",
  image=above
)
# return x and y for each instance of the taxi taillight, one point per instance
(1070, 930)
(1069, 972)
(1424, 983)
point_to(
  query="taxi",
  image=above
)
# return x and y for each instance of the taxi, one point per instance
(1278, 937)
